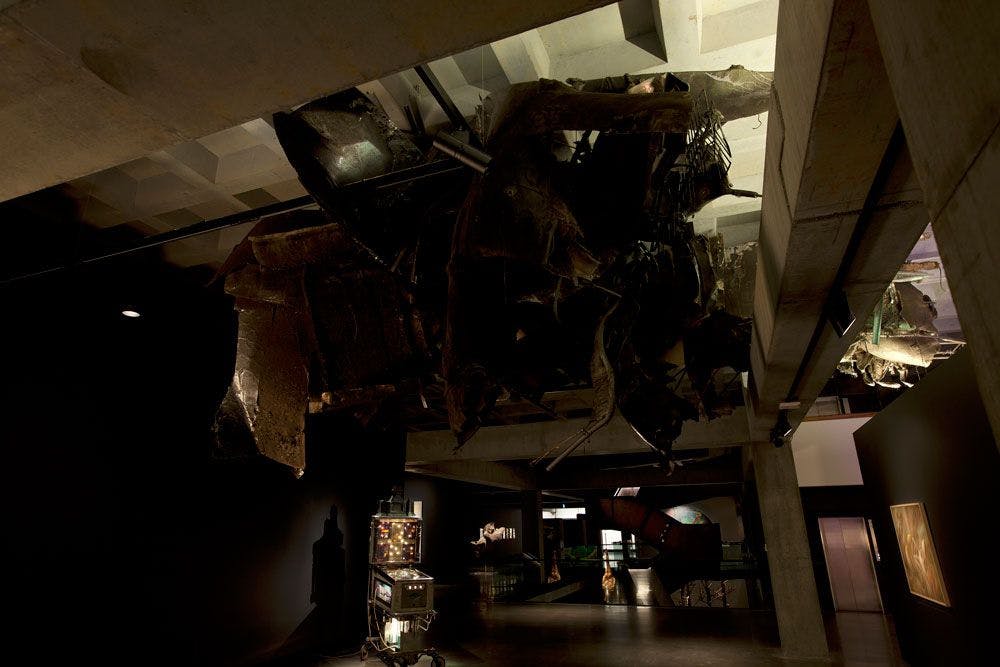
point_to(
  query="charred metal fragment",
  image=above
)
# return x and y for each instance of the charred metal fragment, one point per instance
(736, 268)
(321, 328)
(603, 378)
(531, 231)
(268, 393)
(538, 107)
(735, 92)
(543, 271)
(899, 336)
(342, 140)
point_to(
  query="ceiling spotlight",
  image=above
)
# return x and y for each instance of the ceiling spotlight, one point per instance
(130, 313)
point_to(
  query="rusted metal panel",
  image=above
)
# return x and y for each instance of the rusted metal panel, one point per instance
(269, 386)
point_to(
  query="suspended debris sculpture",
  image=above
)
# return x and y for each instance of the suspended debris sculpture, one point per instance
(900, 335)
(422, 284)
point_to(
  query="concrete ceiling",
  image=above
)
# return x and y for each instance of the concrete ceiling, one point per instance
(89, 85)
(151, 117)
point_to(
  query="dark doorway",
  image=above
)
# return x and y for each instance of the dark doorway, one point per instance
(849, 564)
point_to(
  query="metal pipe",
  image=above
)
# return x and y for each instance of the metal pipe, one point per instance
(176, 235)
(461, 151)
(444, 100)
(390, 179)
(566, 452)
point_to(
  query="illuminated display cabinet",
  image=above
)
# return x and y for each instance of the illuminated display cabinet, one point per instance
(400, 597)
(395, 540)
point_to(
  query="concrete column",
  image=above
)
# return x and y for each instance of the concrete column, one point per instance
(938, 58)
(796, 603)
(533, 530)
(594, 524)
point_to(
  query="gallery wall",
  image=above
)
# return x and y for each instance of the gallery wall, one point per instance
(934, 446)
(126, 540)
(824, 451)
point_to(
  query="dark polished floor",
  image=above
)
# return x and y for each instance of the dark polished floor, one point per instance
(587, 635)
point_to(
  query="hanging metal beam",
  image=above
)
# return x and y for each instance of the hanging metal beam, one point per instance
(174, 235)
(447, 104)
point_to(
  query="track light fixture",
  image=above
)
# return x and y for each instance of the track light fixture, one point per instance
(782, 429)
(839, 313)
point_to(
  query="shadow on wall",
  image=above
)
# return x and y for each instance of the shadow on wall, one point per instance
(323, 630)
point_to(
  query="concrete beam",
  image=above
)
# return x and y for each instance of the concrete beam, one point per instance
(744, 23)
(622, 56)
(822, 160)
(526, 441)
(953, 128)
(678, 25)
(949, 123)
(568, 479)
(59, 120)
(518, 478)
(522, 57)
(694, 40)
(487, 473)
(895, 226)
(827, 167)
(88, 86)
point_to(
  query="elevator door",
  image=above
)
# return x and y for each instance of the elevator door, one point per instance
(849, 564)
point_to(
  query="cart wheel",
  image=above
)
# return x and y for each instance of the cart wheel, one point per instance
(437, 661)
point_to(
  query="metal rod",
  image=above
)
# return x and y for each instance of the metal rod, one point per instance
(410, 174)
(407, 175)
(207, 226)
(444, 100)
(176, 235)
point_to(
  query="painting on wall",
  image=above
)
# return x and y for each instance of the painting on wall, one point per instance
(923, 572)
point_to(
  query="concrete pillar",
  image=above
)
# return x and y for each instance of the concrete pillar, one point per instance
(796, 603)
(533, 530)
(593, 526)
(938, 58)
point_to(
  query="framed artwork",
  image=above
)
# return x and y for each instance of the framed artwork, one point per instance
(920, 561)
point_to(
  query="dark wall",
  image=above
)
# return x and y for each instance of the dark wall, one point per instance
(446, 541)
(453, 514)
(125, 539)
(934, 445)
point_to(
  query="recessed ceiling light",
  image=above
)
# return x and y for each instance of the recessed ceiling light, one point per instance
(130, 313)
